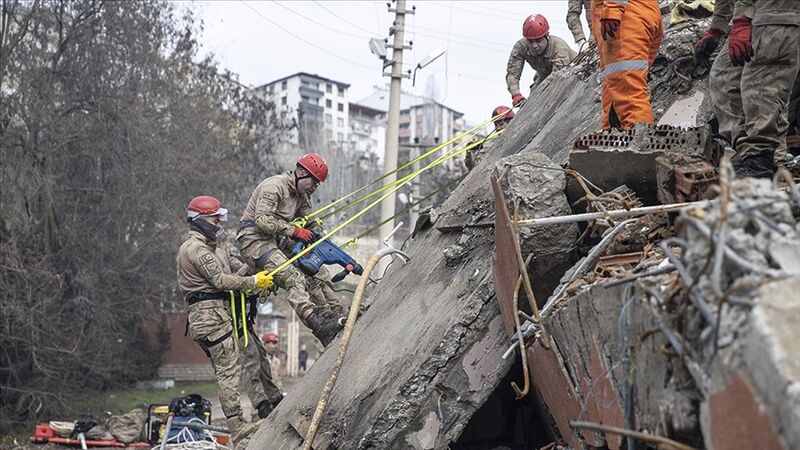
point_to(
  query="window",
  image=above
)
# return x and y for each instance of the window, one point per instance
(328, 119)
(304, 98)
(305, 83)
(339, 137)
(340, 91)
(328, 88)
(328, 103)
(340, 122)
(283, 100)
(341, 107)
(283, 86)
(270, 90)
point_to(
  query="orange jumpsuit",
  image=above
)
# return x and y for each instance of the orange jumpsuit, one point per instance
(626, 58)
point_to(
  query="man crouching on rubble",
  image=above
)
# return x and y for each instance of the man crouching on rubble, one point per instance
(267, 222)
(211, 289)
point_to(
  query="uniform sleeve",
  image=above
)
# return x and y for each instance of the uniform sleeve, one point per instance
(266, 219)
(205, 262)
(237, 266)
(723, 12)
(313, 224)
(563, 55)
(613, 9)
(746, 8)
(574, 19)
(514, 69)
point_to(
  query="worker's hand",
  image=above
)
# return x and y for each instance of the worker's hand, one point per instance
(609, 28)
(740, 49)
(517, 100)
(706, 47)
(302, 234)
(263, 280)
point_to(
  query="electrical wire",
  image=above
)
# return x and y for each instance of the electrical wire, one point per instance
(316, 46)
(320, 24)
(355, 25)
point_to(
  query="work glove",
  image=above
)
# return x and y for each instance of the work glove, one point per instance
(740, 49)
(263, 280)
(517, 100)
(609, 28)
(302, 234)
(706, 47)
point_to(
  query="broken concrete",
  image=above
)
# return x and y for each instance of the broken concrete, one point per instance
(426, 356)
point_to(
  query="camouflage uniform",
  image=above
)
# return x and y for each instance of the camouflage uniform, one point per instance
(751, 101)
(476, 155)
(275, 367)
(203, 268)
(574, 18)
(266, 220)
(324, 297)
(556, 55)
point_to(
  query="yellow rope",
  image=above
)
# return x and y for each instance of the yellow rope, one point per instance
(395, 188)
(469, 133)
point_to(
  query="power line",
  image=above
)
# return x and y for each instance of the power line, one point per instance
(346, 33)
(316, 46)
(495, 13)
(467, 37)
(342, 18)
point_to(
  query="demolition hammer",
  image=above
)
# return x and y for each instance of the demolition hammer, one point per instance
(326, 253)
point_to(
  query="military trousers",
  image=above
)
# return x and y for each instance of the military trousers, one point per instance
(264, 254)
(751, 101)
(211, 326)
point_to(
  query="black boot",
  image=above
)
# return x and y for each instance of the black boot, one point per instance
(264, 408)
(755, 166)
(324, 329)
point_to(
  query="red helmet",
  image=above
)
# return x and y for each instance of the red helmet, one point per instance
(204, 205)
(269, 337)
(509, 114)
(535, 27)
(314, 165)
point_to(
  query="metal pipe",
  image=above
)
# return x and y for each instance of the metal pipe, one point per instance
(170, 416)
(633, 212)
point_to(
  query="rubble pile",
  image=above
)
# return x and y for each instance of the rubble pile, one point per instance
(670, 332)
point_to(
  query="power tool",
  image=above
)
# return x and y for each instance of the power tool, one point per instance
(325, 253)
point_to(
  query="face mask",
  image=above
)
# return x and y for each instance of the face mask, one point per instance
(210, 231)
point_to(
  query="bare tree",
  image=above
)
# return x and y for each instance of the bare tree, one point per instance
(108, 126)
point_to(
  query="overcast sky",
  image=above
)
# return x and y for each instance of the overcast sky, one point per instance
(266, 40)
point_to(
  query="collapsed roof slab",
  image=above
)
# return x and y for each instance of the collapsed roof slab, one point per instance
(422, 359)
(428, 352)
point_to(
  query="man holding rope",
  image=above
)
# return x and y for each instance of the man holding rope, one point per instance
(267, 221)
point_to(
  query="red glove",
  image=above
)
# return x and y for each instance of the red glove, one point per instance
(706, 47)
(740, 49)
(301, 234)
(609, 28)
(517, 100)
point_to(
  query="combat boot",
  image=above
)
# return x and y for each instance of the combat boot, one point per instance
(241, 430)
(755, 166)
(264, 409)
(324, 329)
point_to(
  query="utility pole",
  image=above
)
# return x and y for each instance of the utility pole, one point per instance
(393, 123)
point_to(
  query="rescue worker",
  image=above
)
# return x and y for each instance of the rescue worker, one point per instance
(501, 117)
(544, 53)
(273, 353)
(628, 34)
(267, 221)
(751, 79)
(574, 8)
(208, 282)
